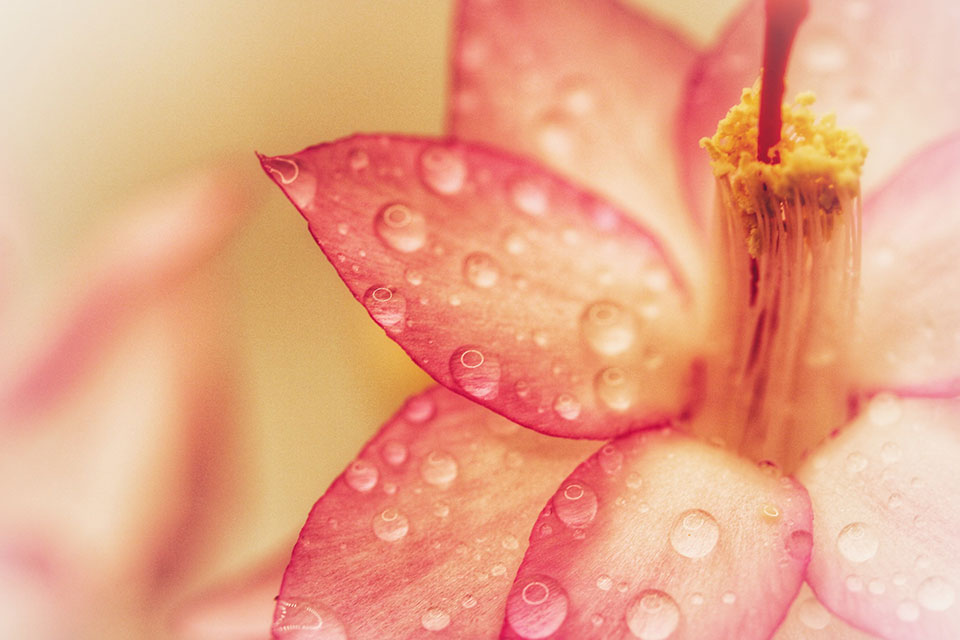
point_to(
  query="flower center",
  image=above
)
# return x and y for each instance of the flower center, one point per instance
(788, 265)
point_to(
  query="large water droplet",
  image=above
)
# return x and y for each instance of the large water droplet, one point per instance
(362, 475)
(529, 196)
(694, 534)
(608, 328)
(653, 615)
(401, 228)
(575, 504)
(435, 619)
(481, 270)
(302, 621)
(615, 388)
(439, 469)
(386, 306)
(536, 607)
(419, 409)
(857, 542)
(567, 406)
(936, 594)
(442, 170)
(394, 452)
(390, 525)
(477, 373)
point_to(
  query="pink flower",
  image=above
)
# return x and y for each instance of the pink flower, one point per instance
(713, 353)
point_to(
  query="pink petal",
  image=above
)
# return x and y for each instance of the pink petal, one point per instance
(808, 619)
(910, 309)
(886, 554)
(424, 530)
(589, 87)
(662, 536)
(885, 67)
(502, 281)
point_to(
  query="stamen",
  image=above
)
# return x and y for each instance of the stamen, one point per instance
(783, 20)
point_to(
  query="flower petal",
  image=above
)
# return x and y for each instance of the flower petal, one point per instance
(503, 282)
(885, 67)
(808, 619)
(591, 88)
(886, 554)
(659, 535)
(425, 528)
(910, 309)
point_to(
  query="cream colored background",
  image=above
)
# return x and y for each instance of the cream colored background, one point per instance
(104, 97)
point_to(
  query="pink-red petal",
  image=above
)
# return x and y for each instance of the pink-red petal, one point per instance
(505, 283)
(425, 529)
(808, 619)
(886, 553)
(910, 308)
(662, 536)
(589, 87)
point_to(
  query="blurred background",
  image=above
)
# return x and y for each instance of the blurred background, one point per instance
(104, 100)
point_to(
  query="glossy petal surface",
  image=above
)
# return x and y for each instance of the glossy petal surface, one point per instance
(887, 68)
(885, 553)
(502, 281)
(590, 87)
(425, 529)
(910, 309)
(661, 536)
(808, 619)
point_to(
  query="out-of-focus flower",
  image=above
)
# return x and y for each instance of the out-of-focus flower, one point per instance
(541, 301)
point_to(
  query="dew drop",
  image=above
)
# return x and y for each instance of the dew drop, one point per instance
(890, 452)
(611, 459)
(936, 594)
(475, 372)
(536, 607)
(696, 599)
(854, 584)
(481, 270)
(394, 452)
(441, 510)
(577, 96)
(387, 307)
(855, 462)
(770, 513)
(510, 542)
(634, 481)
(799, 544)
(401, 228)
(615, 389)
(468, 602)
(653, 615)
(529, 196)
(435, 619)
(895, 501)
(414, 277)
(857, 542)
(813, 614)
(554, 133)
(729, 597)
(908, 611)
(694, 534)
(390, 525)
(608, 328)
(567, 406)
(298, 620)
(876, 587)
(596, 619)
(604, 583)
(419, 409)
(285, 169)
(443, 171)
(362, 475)
(358, 160)
(884, 409)
(439, 469)
(575, 505)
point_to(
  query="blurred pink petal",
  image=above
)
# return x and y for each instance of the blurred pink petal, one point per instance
(808, 619)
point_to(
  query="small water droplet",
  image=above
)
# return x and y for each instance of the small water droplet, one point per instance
(567, 406)
(394, 452)
(510, 542)
(608, 328)
(401, 228)
(285, 169)
(498, 570)
(653, 615)
(362, 475)
(908, 611)
(555, 135)
(442, 170)
(895, 501)
(694, 534)
(854, 583)
(439, 469)
(855, 462)
(857, 542)
(414, 277)
(359, 160)
(481, 270)
(596, 619)
(475, 372)
(634, 480)
(441, 510)
(729, 597)
(884, 409)
(386, 306)
(536, 607)
(468, 602)
(813, 614)
(890, 452)
(390, 525)
(604, 583)
(876, 587)
(936, 594)
(615, 389)
(577, 95)
(529, 196)
(515, 243)
(611, 459)
(799, 544)
(696, 599)
(343, 228)
(419, 409)
(298, 620)
(770, 513)
(575, 505)
(435, 619)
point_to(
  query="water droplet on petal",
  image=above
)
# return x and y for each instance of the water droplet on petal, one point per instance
(604, 583)
(299, 621)
(577, 96)
(536, 607)
(435, 619)
(799, 544)
(419, 409)
(481, 270)
(936, 594)
(884, 409)
(729, 597)
(575, 505)
(386, 306)
(813, 614)
(390, 525)
(414, 277)
(439, 469)
(567, 406)
(443, 171)
(359, 160)
(857, 542)
(394, 452)
(890, 452)
(653, 615)
(611, 459)
(855, 462)
(362, 475)
(475, 372)
(401, 228)
(529, 196)
(608, 328)
(615, 389)
(695, 533)
(908, 611)
(468, 602)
